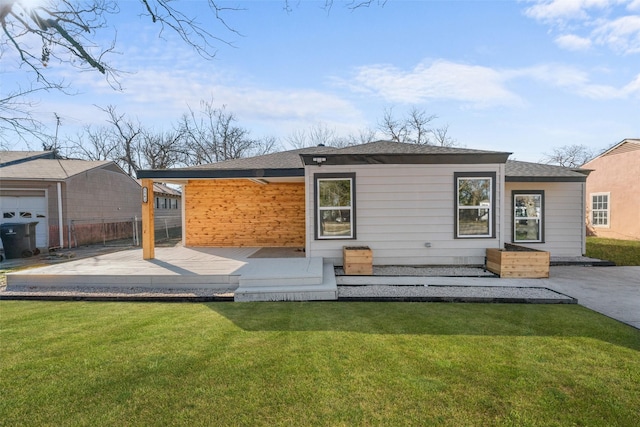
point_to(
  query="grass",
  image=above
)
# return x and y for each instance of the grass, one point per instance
(253, 364)
(622, 252)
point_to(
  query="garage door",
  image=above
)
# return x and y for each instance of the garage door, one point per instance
(22, 209)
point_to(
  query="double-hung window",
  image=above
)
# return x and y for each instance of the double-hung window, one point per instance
(600, 209)
(475, 204)
(528, 212)
(335, 206)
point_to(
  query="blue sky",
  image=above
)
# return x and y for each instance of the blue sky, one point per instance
(518, 76)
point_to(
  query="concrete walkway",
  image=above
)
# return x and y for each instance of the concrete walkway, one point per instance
(612, 291)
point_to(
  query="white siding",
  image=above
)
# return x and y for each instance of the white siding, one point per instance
(564, 229)
(399, 209)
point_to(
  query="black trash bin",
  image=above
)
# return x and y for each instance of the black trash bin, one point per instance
(19, 240)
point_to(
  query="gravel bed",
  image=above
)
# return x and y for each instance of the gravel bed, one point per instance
(345, 293)
(399, 270)
(453, 292)
(114, 292)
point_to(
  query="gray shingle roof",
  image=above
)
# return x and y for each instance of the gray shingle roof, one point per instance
(49, 169)
(525, 171)
(281, 160)
(391, 148)
(10, 157)
(289, 163)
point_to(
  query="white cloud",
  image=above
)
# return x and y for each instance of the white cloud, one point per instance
(478, 86)
(622, 35)
(573, 42)
(473, 85)
(578, 82)
(584, 23)
(561, 10)
(155, 94)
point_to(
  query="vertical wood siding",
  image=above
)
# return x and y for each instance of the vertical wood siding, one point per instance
(401, 208)
(243, 213)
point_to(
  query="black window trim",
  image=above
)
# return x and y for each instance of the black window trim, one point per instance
(543, 216)
(492, 225)
(321, 176)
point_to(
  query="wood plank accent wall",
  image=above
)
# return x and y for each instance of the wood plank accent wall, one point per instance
(239, 212)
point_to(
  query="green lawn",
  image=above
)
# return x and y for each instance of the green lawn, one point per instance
(90, 363)
(622, 252)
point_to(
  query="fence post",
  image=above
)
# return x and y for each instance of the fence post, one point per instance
(135, 231)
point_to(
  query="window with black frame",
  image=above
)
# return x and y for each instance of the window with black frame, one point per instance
(528, 216)
(334, 207)
(475, 208)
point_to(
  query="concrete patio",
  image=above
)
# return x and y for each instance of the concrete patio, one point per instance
(223, 269)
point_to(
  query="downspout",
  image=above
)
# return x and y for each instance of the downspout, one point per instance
(584, 218)
(183, 216)
(60, 220)
(503, 206)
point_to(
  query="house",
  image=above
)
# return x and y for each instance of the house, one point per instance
(168, 210)
(74, 202)
(411, 204)
(613, 192)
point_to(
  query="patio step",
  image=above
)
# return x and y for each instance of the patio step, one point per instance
(319, 285)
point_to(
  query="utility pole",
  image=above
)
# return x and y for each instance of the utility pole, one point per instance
(55, 143)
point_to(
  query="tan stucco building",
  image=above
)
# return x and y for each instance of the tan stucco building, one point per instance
(613, 192)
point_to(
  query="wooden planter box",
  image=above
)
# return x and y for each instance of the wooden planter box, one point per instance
(518, 262)
(357, 260)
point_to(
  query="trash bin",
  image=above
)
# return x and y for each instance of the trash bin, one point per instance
(19, 240)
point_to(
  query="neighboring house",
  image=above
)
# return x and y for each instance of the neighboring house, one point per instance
(613, 192)
(411, 204)
(168, 210)
(73, 201)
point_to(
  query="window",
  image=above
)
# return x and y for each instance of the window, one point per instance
(528, 212)
(8, 215)
(475, 204)
(335, 206)
(600, 209)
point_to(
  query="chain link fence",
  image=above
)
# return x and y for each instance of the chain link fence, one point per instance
(114, 231)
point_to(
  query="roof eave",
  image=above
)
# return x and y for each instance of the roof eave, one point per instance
(405, 159)
(182, 174)
(546, 178)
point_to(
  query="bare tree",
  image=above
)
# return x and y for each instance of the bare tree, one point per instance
(94, 143)
(16, 119)
(441, 137)
(570, 156)
(38, 33)
(68, 30)
(415, 128)
(212, 135)
(317, 134)
(393, 128)
(163, 150)
(65, 31)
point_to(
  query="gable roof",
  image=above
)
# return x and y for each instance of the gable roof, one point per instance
(624, 146)
(159, 188)
(48, 169)
(13, 157)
